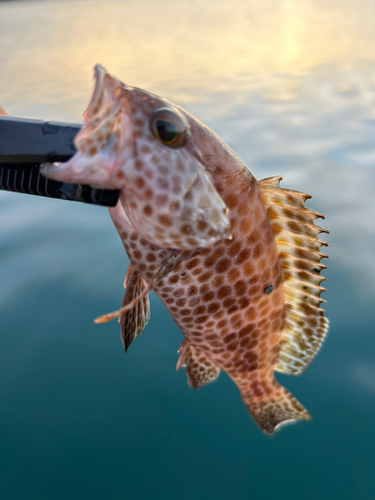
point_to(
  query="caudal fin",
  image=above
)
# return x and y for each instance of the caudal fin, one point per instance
(3, 112)
(280, 408)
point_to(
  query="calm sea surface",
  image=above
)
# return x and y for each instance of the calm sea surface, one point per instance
(290, 86)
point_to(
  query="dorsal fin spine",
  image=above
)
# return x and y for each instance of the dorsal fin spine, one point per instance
(306, 225)
(309, 238)
(315, 252)
(303, 261)
(299, 210)
(310, 284)
(292, 297)
(286, 287)
(313, 275)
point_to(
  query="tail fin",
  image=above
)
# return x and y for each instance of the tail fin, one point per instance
(281, 407)
(3, 112)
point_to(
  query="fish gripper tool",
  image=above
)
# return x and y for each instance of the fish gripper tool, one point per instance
(25, 144)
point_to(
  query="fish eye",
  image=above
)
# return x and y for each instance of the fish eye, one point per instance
(169, 127)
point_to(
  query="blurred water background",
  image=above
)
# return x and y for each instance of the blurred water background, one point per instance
(290, 86)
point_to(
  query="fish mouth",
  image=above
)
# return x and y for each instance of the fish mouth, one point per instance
(104, 143)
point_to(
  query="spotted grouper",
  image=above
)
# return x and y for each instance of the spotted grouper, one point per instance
(235, 260)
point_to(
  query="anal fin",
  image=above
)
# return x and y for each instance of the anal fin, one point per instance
(133, 321)
(199, 369)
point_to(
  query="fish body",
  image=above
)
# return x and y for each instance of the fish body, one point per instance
(235, 260)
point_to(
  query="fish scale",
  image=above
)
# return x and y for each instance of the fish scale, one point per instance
(235, 260)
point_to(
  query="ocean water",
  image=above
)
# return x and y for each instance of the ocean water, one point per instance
(290, 86)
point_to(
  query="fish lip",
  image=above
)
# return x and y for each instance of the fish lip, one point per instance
(99, 77)
(48, 168)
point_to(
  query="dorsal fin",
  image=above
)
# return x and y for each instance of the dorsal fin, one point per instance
(298, 245)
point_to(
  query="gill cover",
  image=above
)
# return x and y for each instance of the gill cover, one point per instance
(134, 141)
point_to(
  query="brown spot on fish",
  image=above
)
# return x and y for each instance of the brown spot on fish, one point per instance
(223, 265)
(139, 122)
(139, 182)
(224, 292)
(145, 149)
(149, 174)
(138, 164)
(186, 229)
(231, 200)
(242, 256)
(151, 257)
(147, 210)
(205, 276)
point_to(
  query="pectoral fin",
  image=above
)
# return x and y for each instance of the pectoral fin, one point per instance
(166, 268)
(132, 322)
(199, 369)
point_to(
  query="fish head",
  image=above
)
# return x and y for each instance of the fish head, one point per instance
(149, 149)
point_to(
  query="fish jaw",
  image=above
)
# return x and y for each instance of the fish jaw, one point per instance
(97, 172)
(167, 195)
(100, 144)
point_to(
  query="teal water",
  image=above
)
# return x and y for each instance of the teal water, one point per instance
(292, 90)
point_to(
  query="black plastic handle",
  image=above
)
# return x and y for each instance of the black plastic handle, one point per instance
(25, 144)
(35, 141)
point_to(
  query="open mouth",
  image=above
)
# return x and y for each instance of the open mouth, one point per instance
(100, 142)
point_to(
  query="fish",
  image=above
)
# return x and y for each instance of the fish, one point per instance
(236, 260)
